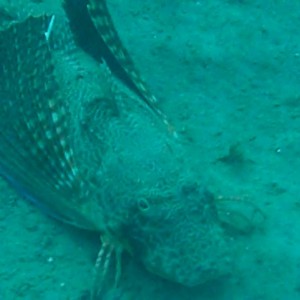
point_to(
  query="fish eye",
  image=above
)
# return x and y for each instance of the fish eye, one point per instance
(143, 204)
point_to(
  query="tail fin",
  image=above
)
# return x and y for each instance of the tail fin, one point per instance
(36, 156)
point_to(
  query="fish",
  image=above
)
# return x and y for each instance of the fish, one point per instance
(76, 142)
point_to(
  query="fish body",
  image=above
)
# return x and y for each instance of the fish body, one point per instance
(84, 147)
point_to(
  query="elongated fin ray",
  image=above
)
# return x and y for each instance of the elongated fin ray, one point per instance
(36, 156)
(104, 24)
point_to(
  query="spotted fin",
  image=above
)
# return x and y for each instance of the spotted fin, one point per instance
(104, 24)
(36, 155)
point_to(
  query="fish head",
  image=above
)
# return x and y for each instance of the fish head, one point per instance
(157, 209)
(178, 237)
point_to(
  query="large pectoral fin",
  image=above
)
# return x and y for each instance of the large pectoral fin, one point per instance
(36, 152)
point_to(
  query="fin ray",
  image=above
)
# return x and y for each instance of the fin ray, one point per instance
(36, 156)
(103, 22)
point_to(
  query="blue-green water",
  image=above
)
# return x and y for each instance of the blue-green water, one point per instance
(227, 76)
